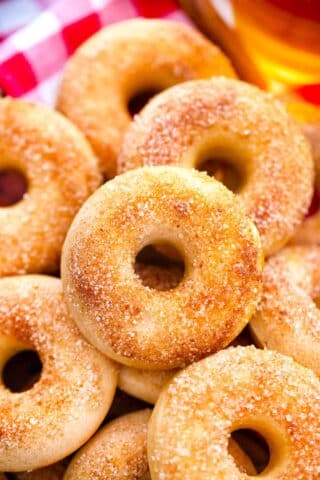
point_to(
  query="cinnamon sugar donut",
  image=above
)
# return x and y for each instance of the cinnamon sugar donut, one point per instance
(241, 387)
(122, 61)
(242, 125)
(287, 319)
(61, 172)
(117, 452)
(142, 327)
(64, 408)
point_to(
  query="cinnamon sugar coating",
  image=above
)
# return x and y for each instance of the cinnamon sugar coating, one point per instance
(61, 171)
(123, 60)
(235, 121)
(117, 452)
(65, 407)
(287, 318)
(241, 387)
(143, 327)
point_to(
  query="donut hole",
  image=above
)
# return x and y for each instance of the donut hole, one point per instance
(316, 301)
(314, 206)
(13, 186)
(255, 446)
(122, 404)
(160, 266)
(140, 99)
(244, 338)
(224, 171)
(22, 371)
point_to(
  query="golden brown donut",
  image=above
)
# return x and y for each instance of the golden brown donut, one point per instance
(288, 319)
(61, 171)
(241, 387)
(236, 122)
(146, 328)
(65, 407)
(117, 452)
(122, 61)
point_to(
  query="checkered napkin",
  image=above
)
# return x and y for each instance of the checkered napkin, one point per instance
(38, 36)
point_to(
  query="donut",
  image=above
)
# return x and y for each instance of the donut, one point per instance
(47, 422)
(53, 472)
(236, 388)
(122, 61)
(117, 452)
(288, 319)
(244, 128)
(142, 327)
(61, 171)
(143, 384)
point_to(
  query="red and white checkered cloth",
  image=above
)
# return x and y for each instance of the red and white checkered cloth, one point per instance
(38, 36)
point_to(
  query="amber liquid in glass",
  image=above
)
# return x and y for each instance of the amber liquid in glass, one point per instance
(274, 43)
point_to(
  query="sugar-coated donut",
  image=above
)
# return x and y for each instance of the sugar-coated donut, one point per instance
(53, 472)
(140, 326)
(237, 388)
(123, 60)
(288, 319)
(117, 452)
(64, 408)
(143, 384)
(61, 171)
(231, 120)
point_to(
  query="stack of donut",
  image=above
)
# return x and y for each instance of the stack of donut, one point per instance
(153, 250)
